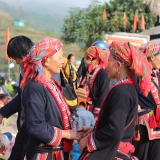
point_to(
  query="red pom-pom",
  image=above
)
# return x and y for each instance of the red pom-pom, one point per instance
(152, 120)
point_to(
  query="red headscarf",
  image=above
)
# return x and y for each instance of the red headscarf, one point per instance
(131, 58)
(151, 49)
(98, 56)
(31, 64)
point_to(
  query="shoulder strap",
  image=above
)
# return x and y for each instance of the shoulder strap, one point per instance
(71, 71)
(91, 82)
(126, 127)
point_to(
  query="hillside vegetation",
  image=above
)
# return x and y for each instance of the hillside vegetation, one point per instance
(6, 21)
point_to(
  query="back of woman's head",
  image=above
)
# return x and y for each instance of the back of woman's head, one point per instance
(131, 58)
(151, 49)
(19, 47)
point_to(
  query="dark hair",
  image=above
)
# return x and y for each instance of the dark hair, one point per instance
(19, 46)
(69, 56)
(82, 104)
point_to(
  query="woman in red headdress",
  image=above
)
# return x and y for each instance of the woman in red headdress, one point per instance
(110, 139)
(47, 117)
(147, 140)
(96, 81)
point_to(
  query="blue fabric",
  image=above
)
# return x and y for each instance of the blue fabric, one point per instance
(8, 134)
(75, 154)
(77, 62)
(85, 118)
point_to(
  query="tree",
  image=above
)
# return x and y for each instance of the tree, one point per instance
(86, 25)
(131, 7)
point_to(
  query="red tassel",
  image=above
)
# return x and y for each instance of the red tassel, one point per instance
(158, 113)
(137, 137)
(152, 120)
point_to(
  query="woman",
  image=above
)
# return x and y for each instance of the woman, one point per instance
(147, 148)
(71, 59)
(96, 81)
(47, 117)
(82, 70)
(115, 125)
(18, 47)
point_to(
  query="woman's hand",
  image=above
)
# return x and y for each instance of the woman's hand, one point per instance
(139, 108)
(82, 143)
(71, 134)
(85, 130)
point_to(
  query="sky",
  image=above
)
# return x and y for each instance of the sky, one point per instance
(50, 7)
(76, 3)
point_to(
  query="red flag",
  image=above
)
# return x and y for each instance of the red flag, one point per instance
(7, 40)
(135, 22)
(143, 23)
(125, 19)
(104, 15)
(116, 19)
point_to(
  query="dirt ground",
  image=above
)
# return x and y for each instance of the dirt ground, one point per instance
(10, 125)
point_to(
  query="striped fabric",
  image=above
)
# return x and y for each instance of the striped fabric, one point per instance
(57, 137)
(90, 143)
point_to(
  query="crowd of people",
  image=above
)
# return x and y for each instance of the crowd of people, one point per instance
(105, 106)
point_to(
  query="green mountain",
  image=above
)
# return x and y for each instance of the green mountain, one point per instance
(35, 20)
(34, 34)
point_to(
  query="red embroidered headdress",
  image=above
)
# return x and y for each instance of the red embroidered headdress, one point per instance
(131, 58)
(98, 56)
(31, 64)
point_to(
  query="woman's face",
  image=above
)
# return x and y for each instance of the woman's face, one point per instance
(112, 67)
(155, 61)
(87, 61)
(55, 62)
(72, 60)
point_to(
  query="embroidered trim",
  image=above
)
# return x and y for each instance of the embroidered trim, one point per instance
(42, 156)
(61, 103)
(65, 112)
(154, 92)
(57, 137)
(121, 81)
(118, 57)
(90, 143)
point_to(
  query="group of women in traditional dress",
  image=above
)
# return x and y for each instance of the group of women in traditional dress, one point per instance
(128, 123)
